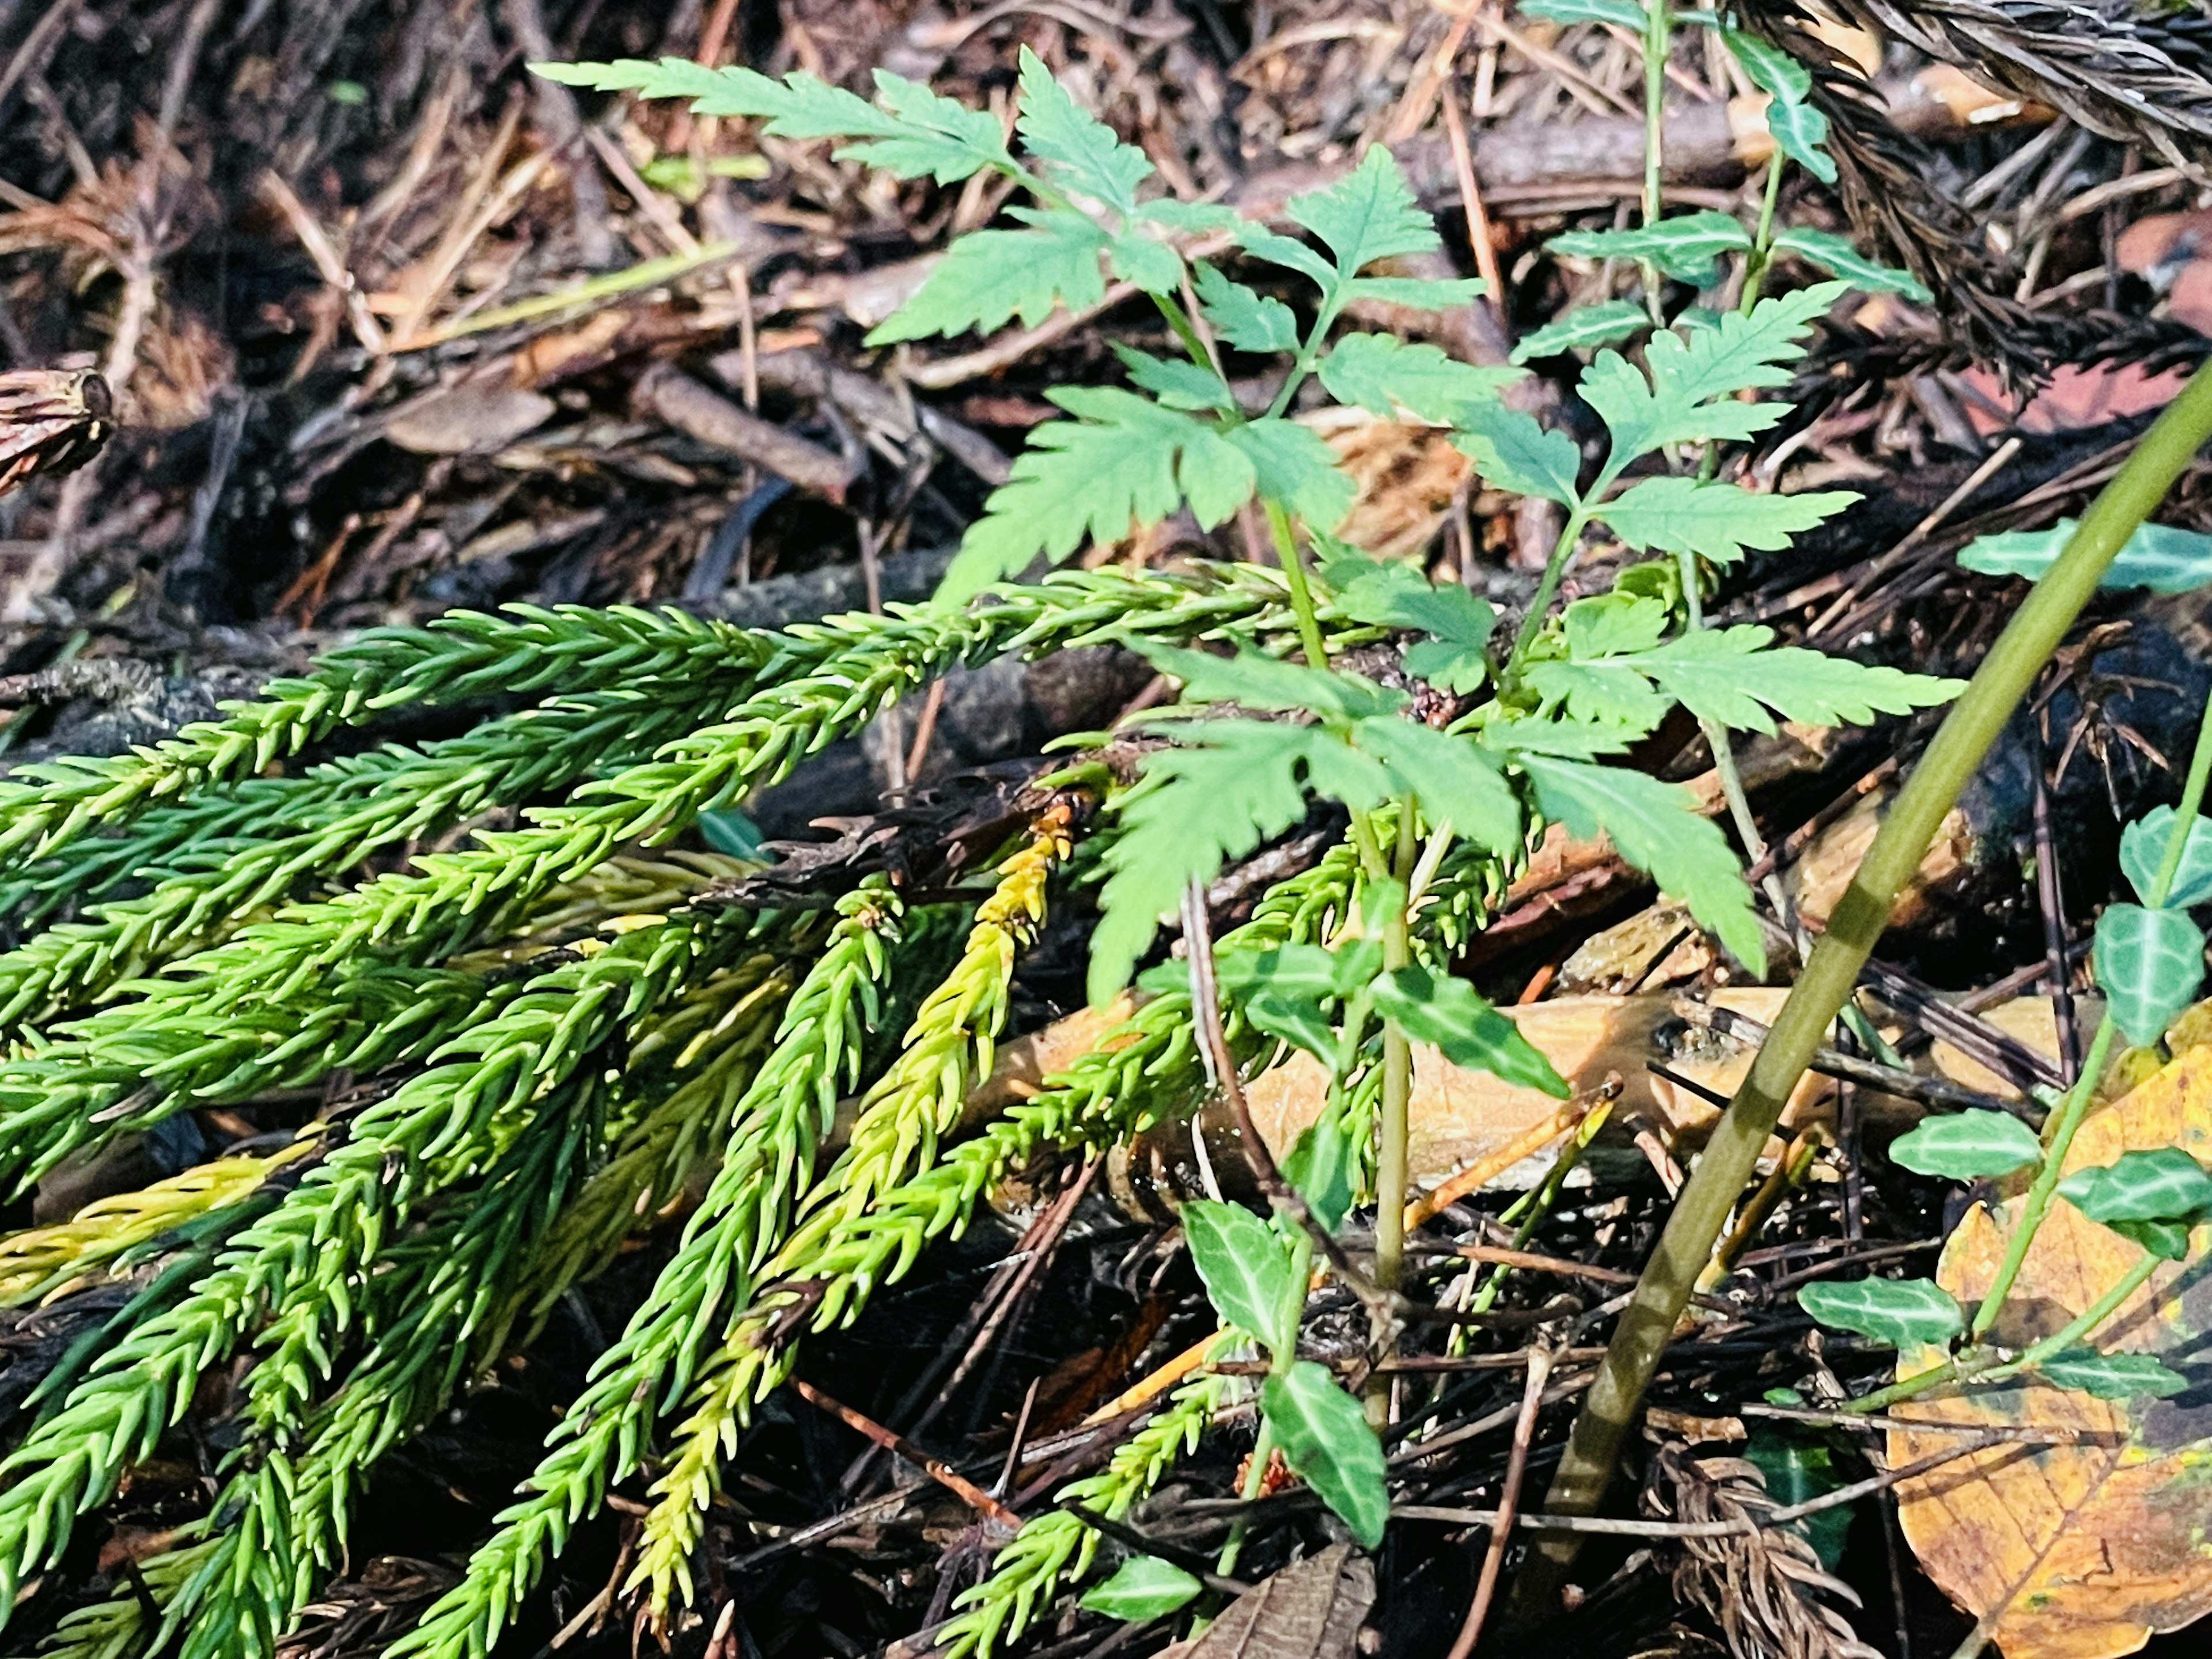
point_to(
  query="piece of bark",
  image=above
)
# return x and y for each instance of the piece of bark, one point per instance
(667, 393)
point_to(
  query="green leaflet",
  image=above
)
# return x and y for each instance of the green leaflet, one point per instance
(1246, 1269)
(1627, 13)
(1891, 1311)
(1420, 293)
(2142, 847)
(2111, 1376)
(1716, 521)
(1512, 452)
(1381, 373)
(1837, 256)
(989, 276)
(1967, 1145)
(1448, 1012)
(1177, 382)
(1684, 247)
(1326, 1442)
(2166, 1184)
(1608, 322)
(1241, 317)
(1798, 129)
(2149, 964)
(1367, 215)
(1393, 595)
(1143, 1588)
(1454, 780)
(1291, 464)
(1078, 151)
(1259, 681)
(1731, 676)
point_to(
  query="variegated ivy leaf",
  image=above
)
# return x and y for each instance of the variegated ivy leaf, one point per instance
(2113, 1375)
(2149, 964)
(1246, 1269)
(1607, 324)
(1452, 1014)
(2164, 1184)
(1967, 1145)
(1840, 258)
(1326, 1441)
(1797, 128)
(1891, 1311)
(1683, 247)
(2161, 558)
(1419, 293)
(1143, 1588)
(1627, 13)
(2142, 849)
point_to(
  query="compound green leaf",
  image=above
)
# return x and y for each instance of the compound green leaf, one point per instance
(1326, 1441)
(1715, 520)
(1296, 467)
(1607, 323)
(1258, 681)
(2113, 1375)
(2149, 964)
(2158, 557)
(2142, 849)
(2163, 1184)
(1684, 247)
(1196, 217)
(1512, 452)
(1177, 382)
(1143, 1588)
(1967, 1145)
(989, 276)
(1241, 317)
(1893, 1311)
(1838, 256)
(1651, 825)
(1454, 778)
(1393, 595)
(1246, 1266)
(1386, 374)
(1151, 264)
(1421, 292)
(1261, 243)
(1080, 152)
(1728, 675)
(1613, 624)
(1453, 1015)
(1367, 215)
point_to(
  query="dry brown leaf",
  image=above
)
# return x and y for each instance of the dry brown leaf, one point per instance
(1311, 1609)
(2079, 1551)
(474, 418)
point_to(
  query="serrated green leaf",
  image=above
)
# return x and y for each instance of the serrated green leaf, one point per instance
(1392, 378)
(1729, 676)
(1421, 292)
(1454, 779)
(1684, 247)
(917, 134)
(1454, 1016)
(1326, 1441)
(1612, 624)
(2157, 557)
(1607, 323)
(1196, 217)
(1080, 152)
(1247, 1269)
(1367, 215)
(1651, 825)
(989, 276)
(1143, 1588)
(1627, 13)
(1967, 1145)
(1125, 461)
(1598, 694)
(1392, 595)
(2164, 1184)
(2113, 1375)
(1715, 520)
(1512, 452)
(1319, 1169)
(1893, 1312)
(1296, 467)
(2142, 849)
(2149, 964)
(1227, 785)
(1261, 243)
(1152, 265)
(1177, 382)
(1687, 373)
(1838, 256)
(1241, 317)
(1258, 681)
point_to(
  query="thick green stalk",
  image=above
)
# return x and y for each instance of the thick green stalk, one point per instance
(1294, 572)
(2035, 631)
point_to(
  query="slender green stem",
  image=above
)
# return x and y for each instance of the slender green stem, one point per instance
(1390, 1163)
(1294, 570)
(1547, 589)
(2036, 631)
(1657, 44)
(1310, 349)
(1179, 320)
(1762, 238)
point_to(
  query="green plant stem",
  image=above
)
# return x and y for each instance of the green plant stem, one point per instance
(1179, 320)
(1294, 572)
(1279, 1358)
(1985, 1364)
(1547, 589)
(1657, 44)
(2036, 631)
(1762, 238)
(1390, 1164)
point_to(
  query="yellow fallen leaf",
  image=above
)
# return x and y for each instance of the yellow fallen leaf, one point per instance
(2079, 1551)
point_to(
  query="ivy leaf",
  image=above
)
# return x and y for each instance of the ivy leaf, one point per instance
(1302, 1025)
(1326, 1441)
(1454, 779)
(1683, 247)
(1967, 1145)
(2157, 557)
(1452, 1015)
(1080, 152)
(2164, 1184)
(2149, 964)
(2142, 849)
(1241, 317)
(2111, 1376)
(1392, 595)
(1296, 467)
(1420, 293)
(1319, 1169)
(1715, 520)
(1367, 215)
(1227, 785)
(1688, 372)
(1392, 378)
(1607, 324)
(1836, 255)
(1772, 70)
(988, 276)
(1512, 452)
(1627, 13)
(1143, 1588)
(1177, 382)
(1303, 971)
(1246, 1267)
(2168, 1240)
(1125, 460)
(916, 134)
(1891, 1311)
(1651, 824)
(1797, 127)
(1726, 675)
(1258, 681)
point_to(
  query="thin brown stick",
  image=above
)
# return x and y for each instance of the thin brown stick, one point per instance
(1478, 215)
(1509, 1501)
(944, 1473)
